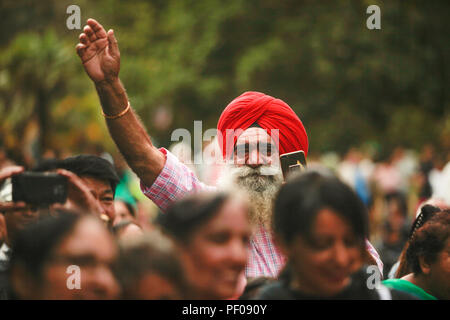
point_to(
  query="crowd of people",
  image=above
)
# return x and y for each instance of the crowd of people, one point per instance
(239, 229)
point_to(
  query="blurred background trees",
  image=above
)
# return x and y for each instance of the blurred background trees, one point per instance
(185, 60)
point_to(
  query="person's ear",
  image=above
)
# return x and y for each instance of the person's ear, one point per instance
(424, 266)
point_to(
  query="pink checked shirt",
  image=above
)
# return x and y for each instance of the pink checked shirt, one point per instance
(177, 180)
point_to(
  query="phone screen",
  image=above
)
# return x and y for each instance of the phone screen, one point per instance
(292, 162)
(39, 188)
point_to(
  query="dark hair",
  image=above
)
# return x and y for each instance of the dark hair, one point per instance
(47, 165)
(83, 165)
(151, 254)
(34, 245)
(426, 212)
(428, 241)
(186, 215)
(301, 198)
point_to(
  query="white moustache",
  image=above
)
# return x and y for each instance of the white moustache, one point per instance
(257, 185)
(265, 170)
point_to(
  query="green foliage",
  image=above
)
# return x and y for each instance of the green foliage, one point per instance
(348, 84)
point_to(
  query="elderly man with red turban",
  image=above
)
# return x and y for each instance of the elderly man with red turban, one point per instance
(254, 129)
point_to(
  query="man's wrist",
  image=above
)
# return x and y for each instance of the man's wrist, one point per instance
(113, 96)
(111, 84)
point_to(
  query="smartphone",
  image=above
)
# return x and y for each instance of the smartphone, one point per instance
(39, 188)
(292, 162)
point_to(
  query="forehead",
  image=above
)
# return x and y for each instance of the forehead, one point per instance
(329, 222)
(233, 216)
(89, 237)
(96, 183)
(254, 134)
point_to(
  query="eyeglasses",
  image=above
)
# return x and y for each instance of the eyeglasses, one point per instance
(263, 148)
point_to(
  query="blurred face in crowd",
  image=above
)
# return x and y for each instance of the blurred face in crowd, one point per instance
(323, 264)
(256, 172)
(149, 268)
(90, 247)
(437, 274)
(216, 253)
(103, 193)
(129, 231)
(19, 219)
(121, 212)
(153, 286)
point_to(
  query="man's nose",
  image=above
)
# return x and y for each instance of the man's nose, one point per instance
(254, 159)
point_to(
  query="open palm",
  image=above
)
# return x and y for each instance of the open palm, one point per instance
(99, 52)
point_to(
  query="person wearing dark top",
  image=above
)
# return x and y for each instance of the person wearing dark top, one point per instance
(395, 230)
(356, 290)
(320, 224)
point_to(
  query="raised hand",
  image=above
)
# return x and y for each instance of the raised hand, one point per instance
(79, 196)
(99, 52)
(100, 55)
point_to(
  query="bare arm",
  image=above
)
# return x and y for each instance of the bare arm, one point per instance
(129, 134)
(100, 56)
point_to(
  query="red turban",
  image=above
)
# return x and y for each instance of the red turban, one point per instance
(269, 113)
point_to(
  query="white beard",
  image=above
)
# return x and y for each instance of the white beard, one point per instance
(258, 185)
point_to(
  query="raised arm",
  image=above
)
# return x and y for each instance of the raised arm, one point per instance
(100, 56)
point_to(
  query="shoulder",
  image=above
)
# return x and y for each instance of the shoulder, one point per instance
(392, 283)
(398, 284)
(401, 295)
(406, 287)
(363, 287)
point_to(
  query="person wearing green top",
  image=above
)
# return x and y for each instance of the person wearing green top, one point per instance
(428, 259)
(406, 286)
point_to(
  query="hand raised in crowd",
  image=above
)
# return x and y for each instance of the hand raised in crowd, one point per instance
(100, 56)
(5, 206)
(78, 194)
(99, 52)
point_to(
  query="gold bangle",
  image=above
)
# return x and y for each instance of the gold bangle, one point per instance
(118, 115)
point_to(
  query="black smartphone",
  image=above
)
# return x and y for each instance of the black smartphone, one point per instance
(292, 162)
(39, 188)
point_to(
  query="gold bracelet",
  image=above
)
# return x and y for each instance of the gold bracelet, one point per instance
(118, 115)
